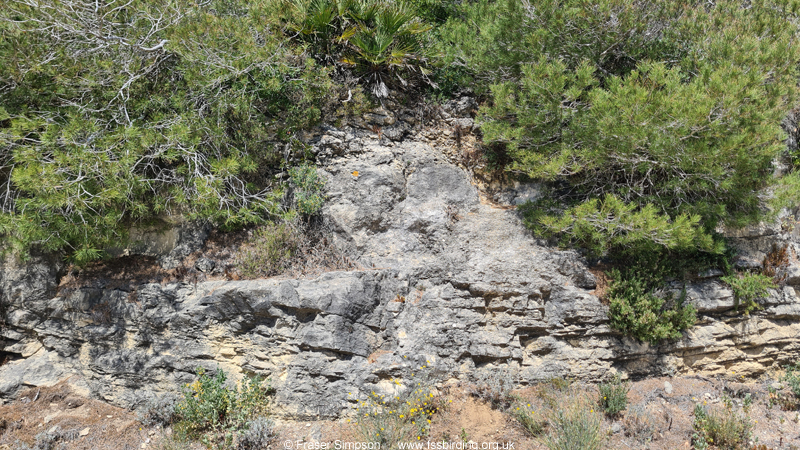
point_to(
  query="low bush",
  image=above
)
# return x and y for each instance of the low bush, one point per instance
(574, 424)
(636, 310)
(638, 423)
(494, 387)
(257, 435)
(297, 247)
(381, 42)
(216, 414)
(775, 263)
(792, 379)
(533, 421)
(270, 250)
(600, 226)
(614, 396)
(721, 427)
(158, 409)
(402, 414)
(749, 287)
(308, 186)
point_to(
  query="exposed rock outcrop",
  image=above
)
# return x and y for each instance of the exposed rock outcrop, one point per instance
(449, 277)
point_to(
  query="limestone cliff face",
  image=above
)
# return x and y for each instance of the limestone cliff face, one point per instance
(447, 277)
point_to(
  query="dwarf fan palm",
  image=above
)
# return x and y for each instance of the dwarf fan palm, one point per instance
(377, 39)
(379, 49)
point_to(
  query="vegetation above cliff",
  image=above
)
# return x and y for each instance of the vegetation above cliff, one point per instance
(659, 120)
(113, 113)
(653, 122)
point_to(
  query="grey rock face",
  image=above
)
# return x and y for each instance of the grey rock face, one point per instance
(169, 242)
(447, 278)
(465, 106)
(205, 265)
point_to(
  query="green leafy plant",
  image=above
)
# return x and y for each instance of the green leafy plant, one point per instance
(380, 41)
(749, 287)
(433, 11)
(608, 224)
(403, 414)
(638, 312)
(308, 189)
(533, 421)
(588, 97)
(721, 427)
(214, 413)
(171, 109)
(792, 379)
(270, 250)
(572, 425)
(384, 44)
(613, 397)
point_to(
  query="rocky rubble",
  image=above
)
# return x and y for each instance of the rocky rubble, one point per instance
(448, 276)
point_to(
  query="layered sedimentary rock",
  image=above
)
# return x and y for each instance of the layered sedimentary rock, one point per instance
(447, 276)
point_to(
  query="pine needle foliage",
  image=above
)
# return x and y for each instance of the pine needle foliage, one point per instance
(112, 114)
(671, 107)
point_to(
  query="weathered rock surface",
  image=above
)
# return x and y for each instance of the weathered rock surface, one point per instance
(448, 278)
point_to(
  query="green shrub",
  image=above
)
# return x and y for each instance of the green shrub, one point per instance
(433, 11)
(308, 189)
(574, 425)
(534, 422)
(608, 224)
(215, 413)
(269, 251)
(637, 312)
(749, 287)
(176, 109)
(614, 396)
(792, 378)
(381, 41)
(721, 427)
(404, 414)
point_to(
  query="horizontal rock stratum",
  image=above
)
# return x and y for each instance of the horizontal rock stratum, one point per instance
(448, 277)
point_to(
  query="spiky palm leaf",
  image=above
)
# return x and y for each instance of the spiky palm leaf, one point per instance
(386, 44)
(376, 38)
